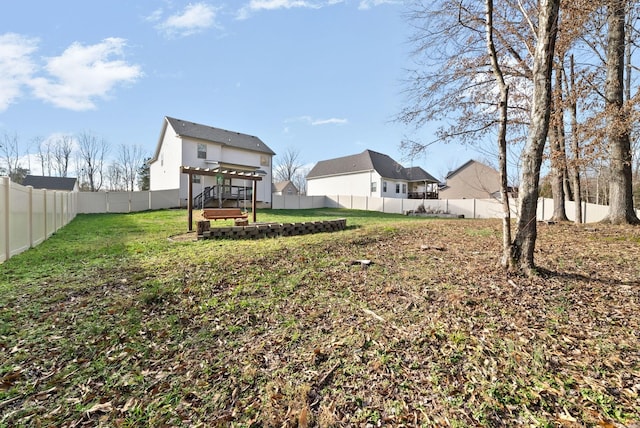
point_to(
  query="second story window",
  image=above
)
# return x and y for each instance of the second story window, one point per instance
(397, 187)
(374, 186)
(384, 187)
(202, 151)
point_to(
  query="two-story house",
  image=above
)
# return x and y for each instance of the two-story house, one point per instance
(192, 145)
(370, 174)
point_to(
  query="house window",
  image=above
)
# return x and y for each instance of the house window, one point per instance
(404, 188)
(264, 160)
(374, 186)
(384, 187)
(397, 187)
(196, 179)
(202, 151)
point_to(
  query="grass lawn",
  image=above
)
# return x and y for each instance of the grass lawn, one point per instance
(111, 323)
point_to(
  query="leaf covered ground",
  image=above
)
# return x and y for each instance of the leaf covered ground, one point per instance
(296, 332)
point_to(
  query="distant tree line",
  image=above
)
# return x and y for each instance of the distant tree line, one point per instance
(97, 165)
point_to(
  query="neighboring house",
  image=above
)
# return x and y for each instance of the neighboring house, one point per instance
(188, 144)
(68, 184)
(370, 174)
(285, 188)
(472, 180)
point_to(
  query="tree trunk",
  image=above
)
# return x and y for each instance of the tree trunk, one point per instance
(575, 148)
(558, 153)
(524, 243)
(557, 176)
(618, 127)
(506, 260)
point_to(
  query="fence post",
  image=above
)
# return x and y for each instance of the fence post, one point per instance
(6, 184)
(30, 216)
(55, 212)
(584, 214)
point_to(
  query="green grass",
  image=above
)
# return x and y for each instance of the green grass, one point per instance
(110, 322)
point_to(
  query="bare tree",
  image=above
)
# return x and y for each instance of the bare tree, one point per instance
(288, 165)
(93, 152)
(523, 245)
(618, 114)
(458, 82)
(62, 149)
(10, 152)
(290, 168)
(115, 177)
(130, 159)
(575, 145)
(503, 107)
(558, 153)
(43, 154)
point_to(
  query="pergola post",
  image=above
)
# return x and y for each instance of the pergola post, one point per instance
(253, 200)
(190, 203)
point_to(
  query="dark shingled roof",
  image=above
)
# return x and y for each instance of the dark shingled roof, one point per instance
(217, 135)
(50, 183)
(369, 161)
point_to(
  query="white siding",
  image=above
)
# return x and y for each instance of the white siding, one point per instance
(165, 171)
(358, 184)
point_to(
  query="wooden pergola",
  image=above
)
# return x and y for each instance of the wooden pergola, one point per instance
(223, 172)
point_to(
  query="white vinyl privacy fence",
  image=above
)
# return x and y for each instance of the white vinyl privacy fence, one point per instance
(28, 216)
(469, 208)
(127, 202)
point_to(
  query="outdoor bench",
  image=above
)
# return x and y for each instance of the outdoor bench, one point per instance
(223, 213)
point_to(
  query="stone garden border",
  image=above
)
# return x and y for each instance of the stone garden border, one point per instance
(268, 230)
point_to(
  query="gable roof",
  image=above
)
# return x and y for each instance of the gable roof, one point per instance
(197, 131)
(50, 183)
(463, 166)
(281, 185)
(369, 160)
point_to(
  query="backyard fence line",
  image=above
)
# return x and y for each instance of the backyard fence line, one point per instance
(28, 216)
(469, 208)
(128, 202)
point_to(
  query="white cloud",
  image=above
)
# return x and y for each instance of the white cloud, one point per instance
(83, 73)
(16, 66)
(259, 5)
(194, 19)
(317, 122)
(331, 121)
(367, 4)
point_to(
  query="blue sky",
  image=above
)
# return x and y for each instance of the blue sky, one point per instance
(323, 77)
